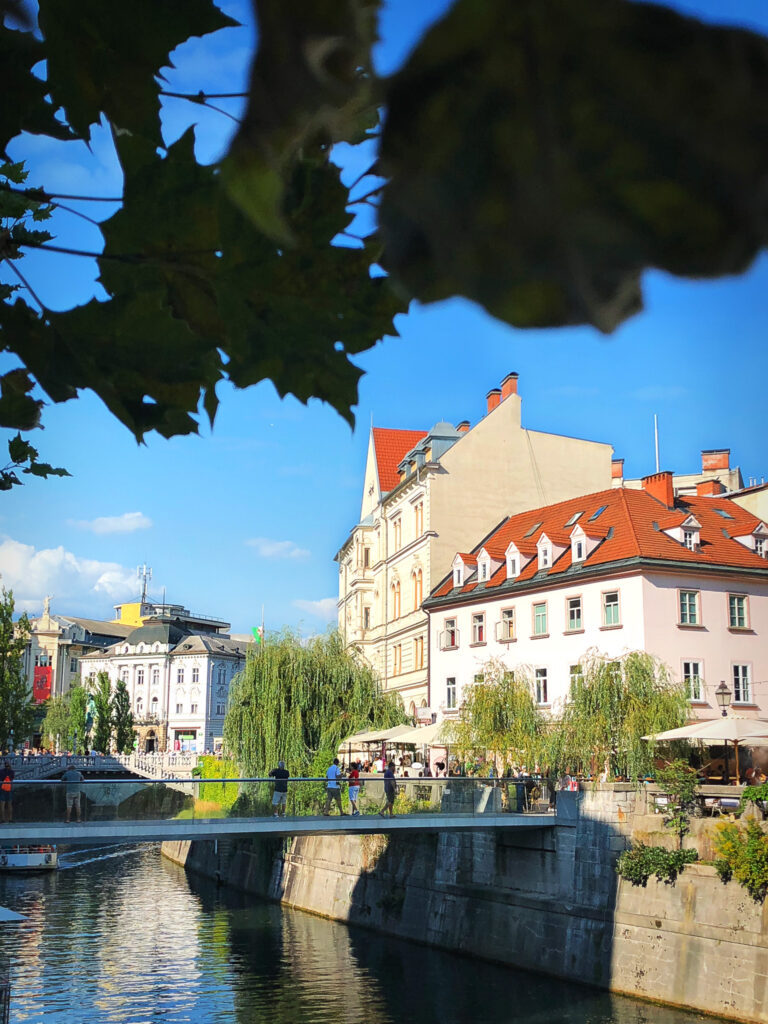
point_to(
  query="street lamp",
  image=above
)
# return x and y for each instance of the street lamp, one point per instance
(723, 695)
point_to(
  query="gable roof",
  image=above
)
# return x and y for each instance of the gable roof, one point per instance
(391, 447)
(630, 526)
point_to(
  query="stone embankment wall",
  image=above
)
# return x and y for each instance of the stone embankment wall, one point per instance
(547, 901)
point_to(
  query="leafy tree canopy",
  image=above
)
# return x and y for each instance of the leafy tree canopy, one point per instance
(536, 157)
(17, 711)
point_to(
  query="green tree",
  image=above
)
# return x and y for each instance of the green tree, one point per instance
(56, 727)
(78, 713)
(612, 703)
(123, 718)
(499, 717)
(297, 700)
(101, 736)
(551, 116)
(680, 782)
(17, 711)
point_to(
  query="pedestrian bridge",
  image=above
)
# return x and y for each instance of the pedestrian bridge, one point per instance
(131, 810)
(148, 766)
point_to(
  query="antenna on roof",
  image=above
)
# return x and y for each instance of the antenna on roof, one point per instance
(656, 436)
(144, 574)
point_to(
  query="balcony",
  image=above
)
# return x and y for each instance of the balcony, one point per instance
(449, 639)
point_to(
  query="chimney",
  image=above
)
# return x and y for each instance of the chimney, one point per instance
(709, 488)
(660, 486)
(463, 427)
(715, 458)
(617, 469)
(493, 398)
(509, 386)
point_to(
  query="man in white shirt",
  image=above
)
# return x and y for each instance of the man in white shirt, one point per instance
(332, 787)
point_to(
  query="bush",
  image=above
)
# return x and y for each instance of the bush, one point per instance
(743, 855)
(754, 795)
(639, 862)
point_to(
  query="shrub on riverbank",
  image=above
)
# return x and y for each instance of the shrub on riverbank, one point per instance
(742, 854)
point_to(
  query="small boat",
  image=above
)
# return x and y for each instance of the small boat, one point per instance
(28, 858)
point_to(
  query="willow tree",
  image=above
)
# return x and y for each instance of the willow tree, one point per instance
(16, 707)
(499, 717)
(297, 700)
(612, 703)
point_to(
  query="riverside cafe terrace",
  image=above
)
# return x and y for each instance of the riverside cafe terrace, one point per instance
(375, 742)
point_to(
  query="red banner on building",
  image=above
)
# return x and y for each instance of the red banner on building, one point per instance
(41, 683)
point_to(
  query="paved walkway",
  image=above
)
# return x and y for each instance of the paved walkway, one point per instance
(153, 831)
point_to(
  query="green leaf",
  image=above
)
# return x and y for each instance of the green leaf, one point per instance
(28, 110)
(311, 82)
(20, 450)
(542, 154)
(106, 58)
(18, 410)
(45, 470)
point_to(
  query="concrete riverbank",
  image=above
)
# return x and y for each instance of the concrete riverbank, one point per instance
(548, 901)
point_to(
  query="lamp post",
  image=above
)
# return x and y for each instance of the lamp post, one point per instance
(723, 695)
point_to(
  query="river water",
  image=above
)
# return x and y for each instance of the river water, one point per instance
(121, 936)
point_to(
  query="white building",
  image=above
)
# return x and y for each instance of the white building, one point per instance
(178, 682)
(683, 578)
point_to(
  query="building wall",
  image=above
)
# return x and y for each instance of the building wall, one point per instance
(557, 651)
(712, 643)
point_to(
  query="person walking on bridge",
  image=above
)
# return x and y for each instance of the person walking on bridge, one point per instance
(390, 790)
(72, 777)
(7, 776)
(333, 787)
(280, 795)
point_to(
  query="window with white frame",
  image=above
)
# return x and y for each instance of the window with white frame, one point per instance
(692, 679)
(124, 675)
(575, 675)
(760, 546)
(450, 692)
(512, 567)
(73, 664)
(195, 675)
(193, 709)
(450, 635)
(397, 533)
(507, 624)
(737, 611)
(366, 558)
(154, 705)
(418, 516)
(457, 576)
(578, 551)
(139, 706)
(541, 686)
(478, 628)
(689, 608)
(742, 691)
(366, 617)
(544, 556)
(483, 567)
(180, 676)
(574, 614)
(689, 539)
(540, 619)
(155, 676)
(418, 652)
(139, 676)
(179, 709)
(611, 608)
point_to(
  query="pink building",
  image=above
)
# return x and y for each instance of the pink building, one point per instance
(684, 578)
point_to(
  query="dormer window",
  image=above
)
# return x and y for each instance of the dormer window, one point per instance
(457, 576)
(483, 571)
(545, 551)
(578, 551)
(760, 546)
(689, 539)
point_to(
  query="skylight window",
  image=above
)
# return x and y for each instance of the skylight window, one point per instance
(723, 513)
(533, 530)
(596, 515)
(574, 518)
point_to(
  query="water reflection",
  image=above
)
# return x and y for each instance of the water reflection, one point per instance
(129, 938)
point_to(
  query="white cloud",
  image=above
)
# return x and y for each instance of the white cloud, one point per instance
(324, 609)
(126, 523)
(78, 585)
(268, 548)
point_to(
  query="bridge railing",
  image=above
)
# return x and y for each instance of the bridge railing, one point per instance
(156, 766)
(46, 801)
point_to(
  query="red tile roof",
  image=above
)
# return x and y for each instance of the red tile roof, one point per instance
(391, 447)
(631, 525)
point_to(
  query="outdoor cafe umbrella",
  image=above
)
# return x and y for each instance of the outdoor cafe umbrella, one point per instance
(426, 736)
(730, 729)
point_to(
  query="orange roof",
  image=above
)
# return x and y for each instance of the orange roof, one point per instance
(391, 447)
(630, 525)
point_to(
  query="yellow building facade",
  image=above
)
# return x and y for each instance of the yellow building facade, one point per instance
(429, 494)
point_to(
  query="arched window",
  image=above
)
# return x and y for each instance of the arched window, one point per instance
(154, 705)
(412, 710)
(139, 706)
(418, 589)
(222, 674)
(396, 599)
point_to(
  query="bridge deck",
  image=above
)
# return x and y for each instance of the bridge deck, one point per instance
(152, 831)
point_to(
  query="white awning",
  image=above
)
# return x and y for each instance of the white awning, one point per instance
(426, 736)
(376, 735)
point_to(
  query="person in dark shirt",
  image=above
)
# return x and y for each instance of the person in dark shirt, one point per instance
(390, 790)
(280, 795)
(6, 787)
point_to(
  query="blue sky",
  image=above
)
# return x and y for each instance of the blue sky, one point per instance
(253, 514)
